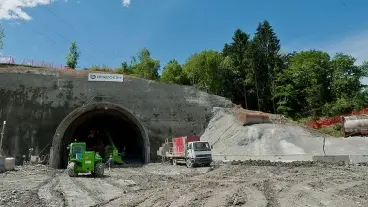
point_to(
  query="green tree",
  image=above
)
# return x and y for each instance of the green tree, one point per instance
(265, 64)
(144, 66)
(125, 68)
(173, 73)
(305, 84)
(346, 76)
(239, 69)
(347, 91)
(1, 37)
(204, 72)
(73, 56)
(229, 79)
(364, 68)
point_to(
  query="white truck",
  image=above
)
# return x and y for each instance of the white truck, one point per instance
(187, 150)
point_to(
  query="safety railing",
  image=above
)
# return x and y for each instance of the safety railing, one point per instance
(7, 60)
(31, 62)
(42, 63)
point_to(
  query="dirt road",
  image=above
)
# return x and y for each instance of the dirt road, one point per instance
(165, 185)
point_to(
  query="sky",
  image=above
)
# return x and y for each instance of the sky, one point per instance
(111, 31)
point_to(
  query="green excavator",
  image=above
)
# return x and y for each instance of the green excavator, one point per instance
(112, 150)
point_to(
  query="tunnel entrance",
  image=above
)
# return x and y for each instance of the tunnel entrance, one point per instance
(101, 125)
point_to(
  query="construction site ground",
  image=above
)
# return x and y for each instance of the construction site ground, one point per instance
(250, 184)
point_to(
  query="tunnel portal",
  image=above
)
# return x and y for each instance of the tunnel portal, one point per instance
(100, 125)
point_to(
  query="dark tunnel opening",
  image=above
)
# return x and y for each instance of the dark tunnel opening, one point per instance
(96, 126)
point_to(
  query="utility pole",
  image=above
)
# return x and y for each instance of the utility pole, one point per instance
(1, 138)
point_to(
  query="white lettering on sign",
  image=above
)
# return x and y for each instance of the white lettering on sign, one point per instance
(105, 77)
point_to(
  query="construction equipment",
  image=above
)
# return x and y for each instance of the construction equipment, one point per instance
(82, 161)
(113, 151)
(187, 150)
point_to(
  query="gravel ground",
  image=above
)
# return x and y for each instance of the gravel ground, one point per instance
(250, 184)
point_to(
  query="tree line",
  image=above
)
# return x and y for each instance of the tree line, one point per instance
(253, 71)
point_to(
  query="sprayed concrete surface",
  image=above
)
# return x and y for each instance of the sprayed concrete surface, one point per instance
(34, 101)
(250, 184)
(229, 138)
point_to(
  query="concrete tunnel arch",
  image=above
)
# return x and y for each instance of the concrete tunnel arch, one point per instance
(63, 134)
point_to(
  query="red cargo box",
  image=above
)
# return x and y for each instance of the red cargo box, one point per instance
(180, 143)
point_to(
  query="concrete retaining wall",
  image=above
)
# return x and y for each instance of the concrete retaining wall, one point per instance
(290, 158)
(332, 158)
(359, 158)
(273, 158)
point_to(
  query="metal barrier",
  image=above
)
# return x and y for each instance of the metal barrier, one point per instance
(41, 63)
(7, 60)
(31, 62)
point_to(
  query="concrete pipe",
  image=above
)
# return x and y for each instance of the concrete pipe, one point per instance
(356, 124)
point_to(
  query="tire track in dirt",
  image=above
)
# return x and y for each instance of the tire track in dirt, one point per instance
(267, 188)
(74, 193)
(125, 187)
(49, 195)
(32, 199)
(99, 188)
(243, 195)
(88, 188)
(315, 193)
(123, 184)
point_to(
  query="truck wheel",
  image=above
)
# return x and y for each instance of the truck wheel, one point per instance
(71, 170)
(189, 163)
(99, 170)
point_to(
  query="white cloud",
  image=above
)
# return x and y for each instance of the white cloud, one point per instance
(13, 9)
(353, 43)
(14, 24)
(125, 3)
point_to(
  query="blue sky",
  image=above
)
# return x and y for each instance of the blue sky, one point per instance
(109, 32)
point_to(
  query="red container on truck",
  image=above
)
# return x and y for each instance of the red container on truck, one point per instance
(180, 145)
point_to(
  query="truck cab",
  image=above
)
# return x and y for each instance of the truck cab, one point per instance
(189, 150)
(198, 153)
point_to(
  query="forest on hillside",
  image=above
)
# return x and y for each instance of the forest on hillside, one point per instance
(251, 70)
